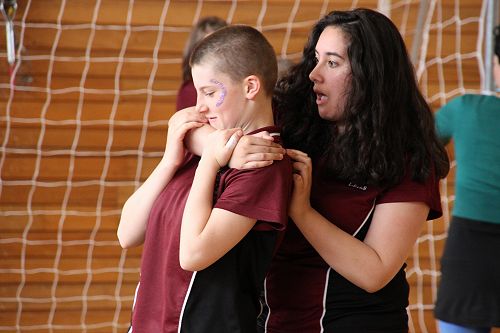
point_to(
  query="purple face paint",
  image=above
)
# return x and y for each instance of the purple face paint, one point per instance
(222, 93)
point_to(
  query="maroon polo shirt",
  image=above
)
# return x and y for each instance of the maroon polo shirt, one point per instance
(305, 295)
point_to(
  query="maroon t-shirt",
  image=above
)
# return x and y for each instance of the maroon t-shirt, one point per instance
(225, 296)
(305, 295)
(186, 96)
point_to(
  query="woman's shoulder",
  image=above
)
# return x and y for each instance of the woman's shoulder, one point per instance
(410, 189)
(471, 100)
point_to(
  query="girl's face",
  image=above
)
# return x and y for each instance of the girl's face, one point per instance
(331, 75)
(218, 97)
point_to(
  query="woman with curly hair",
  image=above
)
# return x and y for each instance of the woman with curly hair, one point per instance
(367, 169)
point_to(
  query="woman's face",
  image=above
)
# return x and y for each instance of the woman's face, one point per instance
(331, 75)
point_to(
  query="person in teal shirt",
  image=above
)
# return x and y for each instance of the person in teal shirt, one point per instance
(468, 299)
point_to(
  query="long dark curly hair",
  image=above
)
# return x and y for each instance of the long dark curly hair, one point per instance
(388, 125)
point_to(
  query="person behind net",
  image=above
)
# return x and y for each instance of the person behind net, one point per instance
(210, 231)
(468, 298)
(367, 165)
(186, 95)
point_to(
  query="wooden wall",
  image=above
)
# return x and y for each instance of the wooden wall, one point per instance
(83, 122)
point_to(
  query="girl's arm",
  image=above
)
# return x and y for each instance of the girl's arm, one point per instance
(207, 234)
(135, 212)
(369, 264)
(252, 151)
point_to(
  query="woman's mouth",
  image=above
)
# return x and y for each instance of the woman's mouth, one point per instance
(321, 98)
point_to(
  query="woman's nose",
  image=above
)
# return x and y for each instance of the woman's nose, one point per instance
(314, 75)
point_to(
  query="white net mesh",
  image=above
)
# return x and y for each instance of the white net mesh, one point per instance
(83, 119)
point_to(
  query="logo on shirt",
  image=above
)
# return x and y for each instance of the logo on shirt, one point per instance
(359, 187)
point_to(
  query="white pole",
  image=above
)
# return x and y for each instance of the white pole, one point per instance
(491, 21)
(8, 9)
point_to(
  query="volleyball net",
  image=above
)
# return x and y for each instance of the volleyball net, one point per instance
(86, 90)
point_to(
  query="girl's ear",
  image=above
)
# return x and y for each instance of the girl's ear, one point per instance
(251, 86)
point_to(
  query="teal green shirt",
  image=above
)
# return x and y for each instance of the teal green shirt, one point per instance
(473, 122)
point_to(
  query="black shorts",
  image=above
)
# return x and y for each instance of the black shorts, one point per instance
(469, 290)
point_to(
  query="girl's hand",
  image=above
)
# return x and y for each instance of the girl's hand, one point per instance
(302, 180)
(256, 151)
(220, 145)
(178, 125)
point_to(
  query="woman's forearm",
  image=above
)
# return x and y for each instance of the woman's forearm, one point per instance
(350, 257)
(372, 263)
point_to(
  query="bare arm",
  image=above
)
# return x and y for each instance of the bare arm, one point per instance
(135, 212)
(207, 234)
(194, 141)
(369, 264)
(252, 151)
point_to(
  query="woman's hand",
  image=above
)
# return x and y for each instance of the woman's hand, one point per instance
(220, 145)
(256, 151)
(302, 180)
(179, 124)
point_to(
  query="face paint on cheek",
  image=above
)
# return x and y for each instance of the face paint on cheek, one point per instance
(222, 93)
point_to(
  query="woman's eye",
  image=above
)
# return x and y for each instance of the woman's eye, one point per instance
(210, 93)
(332, 63)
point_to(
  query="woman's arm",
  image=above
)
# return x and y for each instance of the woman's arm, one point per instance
(135, 212)
(444, 119)
(369, 264)
(207, 234)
